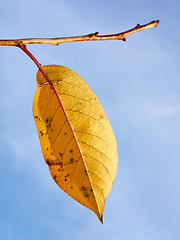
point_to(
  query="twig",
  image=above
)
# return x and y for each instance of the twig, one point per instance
(90, 37)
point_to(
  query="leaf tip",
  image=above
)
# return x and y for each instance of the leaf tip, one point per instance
(101, 219)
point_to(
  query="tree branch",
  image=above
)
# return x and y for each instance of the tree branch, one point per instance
(90, 37)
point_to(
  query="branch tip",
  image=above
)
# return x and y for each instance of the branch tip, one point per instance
(157, 22)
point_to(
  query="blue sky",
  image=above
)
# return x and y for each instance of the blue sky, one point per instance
(138, 85)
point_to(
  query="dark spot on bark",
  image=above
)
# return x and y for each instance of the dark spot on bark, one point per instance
(71, 151)
(65, 133)
(71, 159)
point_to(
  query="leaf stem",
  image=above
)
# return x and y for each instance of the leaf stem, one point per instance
(24, 48)
(90, 37)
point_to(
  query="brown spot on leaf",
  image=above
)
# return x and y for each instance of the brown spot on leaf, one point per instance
(41, 133)
(48, 162)
(55, 178)
(83, 188)
(86, 194)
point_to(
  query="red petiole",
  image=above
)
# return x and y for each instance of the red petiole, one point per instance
(24, 48)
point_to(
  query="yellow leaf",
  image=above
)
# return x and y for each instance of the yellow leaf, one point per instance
(76, 137)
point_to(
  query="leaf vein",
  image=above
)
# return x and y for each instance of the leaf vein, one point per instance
(84, 154)
(68, 144)
(70, 110)
(95, 149)
(91, 135)
(75, 168)
(97, 176)
(58, 133)
(85, 100)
